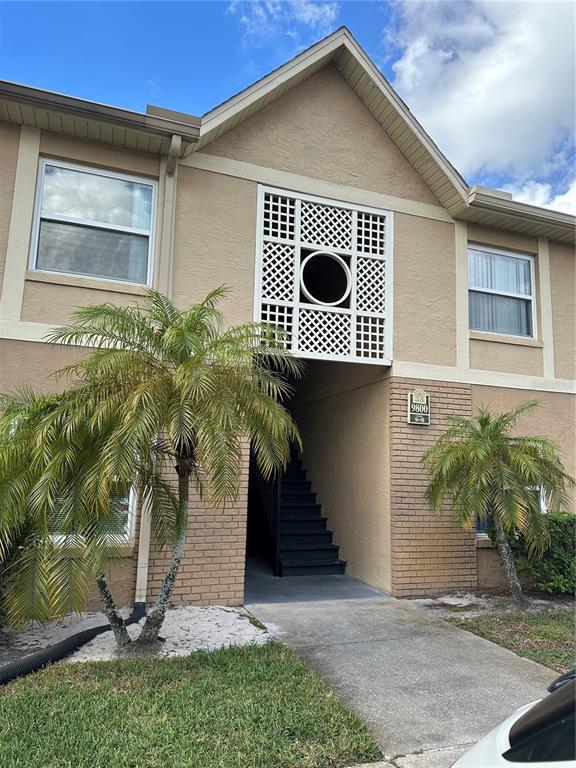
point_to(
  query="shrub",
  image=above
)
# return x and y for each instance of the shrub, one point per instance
(553, 572)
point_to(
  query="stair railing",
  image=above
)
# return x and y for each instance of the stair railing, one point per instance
(270, 495)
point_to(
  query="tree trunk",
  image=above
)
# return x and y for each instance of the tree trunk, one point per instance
(116, 621)
(155, 618)
(507, 557)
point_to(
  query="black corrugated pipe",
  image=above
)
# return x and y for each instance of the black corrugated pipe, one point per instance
(34, 661)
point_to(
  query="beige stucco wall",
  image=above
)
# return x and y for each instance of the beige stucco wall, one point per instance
(556, 418)
(322, 130)
(9, 138)
(563, 284)
(494, 355)
(54, 303)
(499, 238)
(424, 291)
(113, 158)
(215, 241)
(30, 364)
(342, 412)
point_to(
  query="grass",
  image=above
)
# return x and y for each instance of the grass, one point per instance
(251, 707)
(547, 637)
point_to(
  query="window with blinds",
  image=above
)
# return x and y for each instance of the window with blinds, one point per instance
(501, 292)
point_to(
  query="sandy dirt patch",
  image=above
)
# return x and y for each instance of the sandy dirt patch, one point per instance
(185, 630)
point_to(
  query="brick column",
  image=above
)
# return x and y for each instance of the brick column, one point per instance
(430, 554)
(212, 570)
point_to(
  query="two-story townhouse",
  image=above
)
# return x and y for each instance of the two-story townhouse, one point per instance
(320, 201)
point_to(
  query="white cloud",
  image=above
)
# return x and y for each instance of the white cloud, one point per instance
(153, 86)
(542, 194)
(264, 19)
(493, 83)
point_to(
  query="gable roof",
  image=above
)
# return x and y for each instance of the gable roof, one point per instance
(342, 51)
(474, 204)
(157, 129)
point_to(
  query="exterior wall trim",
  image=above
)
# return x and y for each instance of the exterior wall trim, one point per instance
(486, 378)
(461, 253)
(546, 307)
(21, 220)
(310, 186)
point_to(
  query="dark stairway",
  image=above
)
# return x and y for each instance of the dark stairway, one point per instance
(305, 545)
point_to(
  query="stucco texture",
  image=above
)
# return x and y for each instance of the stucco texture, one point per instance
(342, 412)
(499, 238)
(424, 291)
(321, 129)
(215, 241)
(53, 303)
(563, 285)
(75, 150)
(31, 364)
(556, 417)
(494, 355)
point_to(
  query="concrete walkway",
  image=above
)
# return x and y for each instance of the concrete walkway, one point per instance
(425, 688)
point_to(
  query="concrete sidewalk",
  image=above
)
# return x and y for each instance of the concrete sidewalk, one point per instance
(421, 685)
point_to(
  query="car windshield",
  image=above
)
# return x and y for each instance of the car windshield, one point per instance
(546, 731)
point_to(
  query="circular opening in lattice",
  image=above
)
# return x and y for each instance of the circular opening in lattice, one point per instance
(325, 278)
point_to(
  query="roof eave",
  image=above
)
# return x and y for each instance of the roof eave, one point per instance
(151, 125)
(521, 217)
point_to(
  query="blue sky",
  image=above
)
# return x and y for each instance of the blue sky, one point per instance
(479, 74)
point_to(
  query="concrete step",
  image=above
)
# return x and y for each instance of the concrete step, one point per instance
(302, 523)
(311, 554)
(335, 567)
(304, 536)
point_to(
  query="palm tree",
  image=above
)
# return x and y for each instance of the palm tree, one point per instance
(162, 389)
(489, 474)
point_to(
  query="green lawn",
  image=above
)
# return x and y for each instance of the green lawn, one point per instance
(251, 707)
(547, 637)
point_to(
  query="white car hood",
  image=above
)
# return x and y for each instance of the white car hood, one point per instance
(488, 752)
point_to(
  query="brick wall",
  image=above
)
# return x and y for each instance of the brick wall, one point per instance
(429, 553)
(212, 570)
(120, 574)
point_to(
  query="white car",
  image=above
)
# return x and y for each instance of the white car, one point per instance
(539, 735)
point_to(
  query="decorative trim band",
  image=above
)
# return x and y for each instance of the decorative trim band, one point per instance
(485, 378)
(310, 186)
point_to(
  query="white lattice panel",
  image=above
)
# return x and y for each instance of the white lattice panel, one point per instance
(371, 285)
(325, 333)
(295, 228)
(327, 226)
(371, 234)
(279, 217)
(370, 337)
(278, 265)
(281, 317)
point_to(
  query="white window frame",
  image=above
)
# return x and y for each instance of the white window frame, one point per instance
(264, 189)
(525, 297)
(38, 217)
(128, 536)
(543, 508)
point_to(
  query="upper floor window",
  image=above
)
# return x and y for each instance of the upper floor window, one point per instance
(501, 291)
(92, 222)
